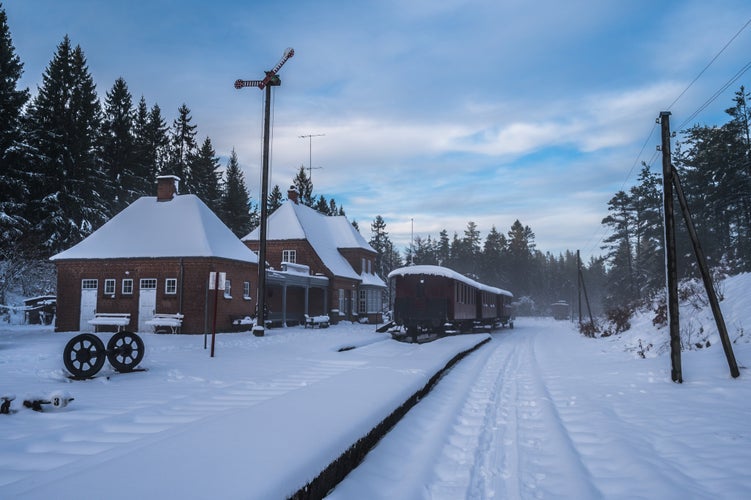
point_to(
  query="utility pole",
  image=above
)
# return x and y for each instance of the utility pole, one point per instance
(271, 80)
(310, 153)
(671, 268)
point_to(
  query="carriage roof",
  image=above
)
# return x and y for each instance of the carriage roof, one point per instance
(446, 273)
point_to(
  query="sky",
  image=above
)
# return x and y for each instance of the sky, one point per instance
(430, 114)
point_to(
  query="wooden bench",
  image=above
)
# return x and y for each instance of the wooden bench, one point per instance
(316, 321)
(120, 320)
(172, 321)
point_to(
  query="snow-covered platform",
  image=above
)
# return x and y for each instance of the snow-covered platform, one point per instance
(262, 419)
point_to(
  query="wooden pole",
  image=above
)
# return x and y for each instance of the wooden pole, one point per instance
(671, 268)
(706, 277)
(579, 285)
(216, 303)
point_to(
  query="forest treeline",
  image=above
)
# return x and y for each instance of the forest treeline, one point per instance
(71, 160)
(714, 168)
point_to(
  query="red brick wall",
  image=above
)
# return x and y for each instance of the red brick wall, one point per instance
(192, 298)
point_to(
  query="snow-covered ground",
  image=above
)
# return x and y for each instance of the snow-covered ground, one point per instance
(538, 412)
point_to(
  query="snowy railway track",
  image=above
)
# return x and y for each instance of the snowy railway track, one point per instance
(501, 432)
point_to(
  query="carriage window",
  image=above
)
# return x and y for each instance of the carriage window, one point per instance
(170, 286)
(109, 287)
(128, 286)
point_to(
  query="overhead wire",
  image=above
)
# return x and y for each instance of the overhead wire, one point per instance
(693, 115)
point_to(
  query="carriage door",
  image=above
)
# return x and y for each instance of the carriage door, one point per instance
(88, 303)
(146, 303)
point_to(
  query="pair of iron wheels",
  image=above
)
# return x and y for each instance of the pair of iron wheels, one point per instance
(84, 354)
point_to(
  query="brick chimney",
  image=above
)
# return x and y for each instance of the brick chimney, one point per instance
(166, 187)
(293, 195)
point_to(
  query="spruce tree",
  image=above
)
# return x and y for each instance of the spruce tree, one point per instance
(236, 207)
(13, 181)
(304, 187)
(144, 158)
(118, 148)
(203, 166)
(72, 196)
(275, 199)
(182, 148)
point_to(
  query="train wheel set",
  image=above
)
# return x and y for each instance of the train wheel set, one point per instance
(84, 355)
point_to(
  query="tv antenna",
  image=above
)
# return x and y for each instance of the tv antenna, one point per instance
(310, 153)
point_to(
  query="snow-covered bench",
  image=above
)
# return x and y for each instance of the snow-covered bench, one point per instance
(172, 321)
(316, 321)
(120, 320)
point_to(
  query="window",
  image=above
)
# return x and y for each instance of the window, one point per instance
(109, 287)
(246, 290)
(362, 307)
(289, 256)
(148, 284)
(170, 286)
(342, 301)
(89, 284)
(128, 286)
(362, 265)
(227, 289)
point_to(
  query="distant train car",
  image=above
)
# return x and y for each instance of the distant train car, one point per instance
(560, 309)
(437, 299)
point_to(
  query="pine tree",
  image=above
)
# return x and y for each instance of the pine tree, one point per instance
(236, 207)
(275, 199)
(322, 206)
(379, 241)
(304, 187)
(72, 196)
(492, 268)
(13, 181)
(620, 248)
(520, 257)
(144, 163)
(203, 166)
(182, 149)
(443, 249)
(118, 145)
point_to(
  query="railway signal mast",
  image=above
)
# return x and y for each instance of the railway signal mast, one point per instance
(270, 80)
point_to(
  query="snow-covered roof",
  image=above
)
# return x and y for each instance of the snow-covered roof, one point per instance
(181, 227)
(326, 234)
(447, 273)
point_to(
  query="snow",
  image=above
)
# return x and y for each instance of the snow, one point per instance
(181, 227)
(446, 273)
(538, 412)
(326, 234)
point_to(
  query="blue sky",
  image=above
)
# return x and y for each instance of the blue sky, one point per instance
(434, 113)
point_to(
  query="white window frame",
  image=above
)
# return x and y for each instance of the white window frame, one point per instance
(147, 284)
(110, 285)
(246, 290)
(227, 289)
(170, 286)
(289, 256)
(89, 284)
(127, 286)
(342, 301)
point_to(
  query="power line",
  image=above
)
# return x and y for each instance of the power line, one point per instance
(710, 63)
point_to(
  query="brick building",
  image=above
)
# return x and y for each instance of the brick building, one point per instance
(155, 257)
(321, 246)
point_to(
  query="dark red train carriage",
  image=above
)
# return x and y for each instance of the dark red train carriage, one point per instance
(438, 300)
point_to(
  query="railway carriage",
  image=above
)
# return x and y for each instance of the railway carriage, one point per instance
(438, 300)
